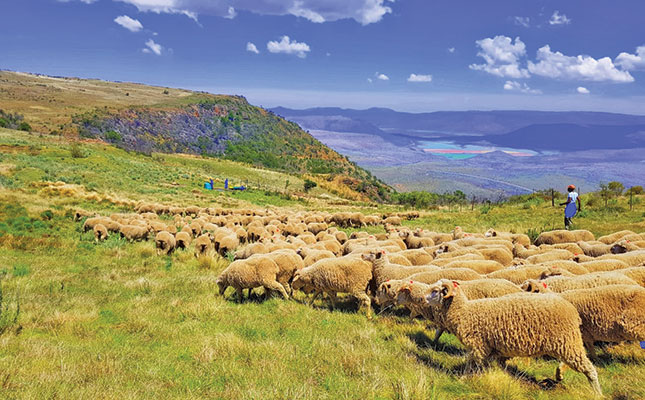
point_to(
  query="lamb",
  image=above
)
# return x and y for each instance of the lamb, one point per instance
(134, 233)
(165, 243)
(564, 236)
(382, 270)
(549, 326)
(480, 266)
(203, 244)
(100, 232)
(253, 272)
(611, 313)
(336, 275)
(559, 284)
(183, 240)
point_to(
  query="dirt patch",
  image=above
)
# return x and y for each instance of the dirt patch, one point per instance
(4, 148)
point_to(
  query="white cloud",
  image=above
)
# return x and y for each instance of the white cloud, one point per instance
(557, 65)
(286, 46)
(629, 61)
(382, 77)
(82, 1)
(520, 87)
(231, 13)
(419, 78)
(133, 25)
(451, 49)
(252, 48)
(582, 90)
(502, 57)
(362, 11)
(152, 47)
(559, 19)
(522, 21)
(370, 80)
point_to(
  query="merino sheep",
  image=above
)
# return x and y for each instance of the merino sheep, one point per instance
(249, 274)
(596, 250)
(614, 237)
(559, 284)
(480, 266)
(183, 240)
(521, 274)
(611, 313)
(563, 236)
(552, 255)
(288, 262)
(203, 244)
(165, 243)
(549, 326)
(100, 232)
(336, 275)
(383, 270)
(417, 256)
(310, 256)
(603, 265)
(632, 258)
(460, 274)
(251, 249)
(635, 273)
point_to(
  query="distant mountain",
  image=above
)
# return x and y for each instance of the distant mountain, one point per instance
(462, 122)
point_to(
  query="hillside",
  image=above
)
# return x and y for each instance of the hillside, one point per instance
(154, 119)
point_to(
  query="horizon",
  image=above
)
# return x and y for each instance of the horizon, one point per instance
(407, 55)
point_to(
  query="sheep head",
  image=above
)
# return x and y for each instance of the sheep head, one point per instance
(441, 291)
(535, 286)
(620, 247)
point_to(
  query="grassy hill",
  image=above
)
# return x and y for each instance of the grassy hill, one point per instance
(150, 119)
(113, 320)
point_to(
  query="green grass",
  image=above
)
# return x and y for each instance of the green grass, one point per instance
(113, 320)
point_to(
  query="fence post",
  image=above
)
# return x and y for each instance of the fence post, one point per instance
(552, 198)
(631, 199)
(472, 207)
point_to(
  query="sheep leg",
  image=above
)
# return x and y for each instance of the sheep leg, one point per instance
(275, 285)
(580, 362)
(332, 299)
(314, 297)
(437, 334)
(590, 348)
(240, 294)
(364, 300)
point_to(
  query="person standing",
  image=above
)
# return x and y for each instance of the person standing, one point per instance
(573, 205)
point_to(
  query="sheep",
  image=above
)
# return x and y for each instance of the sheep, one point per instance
(336, 275)
(203, 244)
(134, 233)
(80, 214)
(100, 232)
(596, 250)
(250, 273)
(183, 240)
(515, 238)
(560, 284)
(392, 221)
(611, 313)
(563, 236)
(196, 228)
(226, 244)
(603, 265)
(461, 274)
(623, 246)
(251, 249)
(635, 273)
(499, 254)
(552, 255)
(521, 274)
(632, 258)
(165, 243)
(489, 327)
(415, 242)
(383, 270)
(288, 262)
(310, 256)
(417, 256)
(442, 262)
(479, 266)
(614, 237)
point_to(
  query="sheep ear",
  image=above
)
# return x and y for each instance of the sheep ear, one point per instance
(448, 289)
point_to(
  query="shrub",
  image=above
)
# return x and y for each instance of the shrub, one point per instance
(24, 127)
(113, 136)
(47, 215)
(4, 123)
(309, 184)
(76, 151)
(634, 190)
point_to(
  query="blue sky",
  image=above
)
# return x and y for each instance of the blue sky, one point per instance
(506, 54)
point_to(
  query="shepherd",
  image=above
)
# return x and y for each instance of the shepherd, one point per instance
(572, 206)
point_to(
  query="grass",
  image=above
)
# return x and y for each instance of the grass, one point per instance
(114, 320)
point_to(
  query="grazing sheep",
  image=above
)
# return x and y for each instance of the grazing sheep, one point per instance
(134, 233)
(100, 232)
(559, 284)
(310, 256)
(595, 250)
(553, 255)
(460, 274)
(614, 237)
(564, 236)
(226, 244)
(165, 243)
(489, 327)
(415, 242)
(623, 246)
(603, 265)
(480, 266)
(635, 273)
(383, 270)
(249, 274)
(183, 240)
(288, 262)
(336, 275)
(203, 244)
(392, 221)
(521, 274)
(632, 258)
(417, 256)
(611, 313)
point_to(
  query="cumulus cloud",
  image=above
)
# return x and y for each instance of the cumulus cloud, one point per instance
(451, 49)
(252, 48)
(502, 56)
(362, 11)
(629, 61)
(582, 90)
(522, 21)
(419, 78)
(520, 87)
(559, 19)
(152, 47)
(131, 24)
(230, 13)
(382, 77)
(287, 46)
(557, 65)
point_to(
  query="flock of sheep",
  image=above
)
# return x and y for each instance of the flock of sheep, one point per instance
(499, 294)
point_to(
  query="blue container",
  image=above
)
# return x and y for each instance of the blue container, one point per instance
(208, 186)
(643, 345)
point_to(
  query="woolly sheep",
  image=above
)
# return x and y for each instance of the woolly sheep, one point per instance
(183, 240)
(461, 274)
(100, 232)
(203, 244)
(595, 250)
(560, 284)
(552, 255)
(635, 273)
(489, 327)
(310, 256)
(480, 266)
(249, 274)
(383, 270)
(415, 242)
(134, 233)
(443, 261)
(518, 238)
(614, 237)
(288, 262)
(165, 242)
(563, 236)
(603, 265)
(623, 246)
(632, 258)
(521, 274)
(611, 313)
(251, 249)
(392, 221)
(417, 256)
(336, 275)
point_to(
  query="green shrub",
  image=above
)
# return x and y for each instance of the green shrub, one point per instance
(47, 215)
(309, 184)
(24, 127)
(76, 151)
(4, 123)
(113, 136)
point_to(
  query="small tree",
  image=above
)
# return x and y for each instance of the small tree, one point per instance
(635, 190)
(616, 188)
(605, 192)
(309, 184)
(24, 127)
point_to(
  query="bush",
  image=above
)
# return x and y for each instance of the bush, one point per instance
(634, 190)
(24, 127)
(113, 136)
(76, 151)
(309, 184)
(47, 215)
(4, 123)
